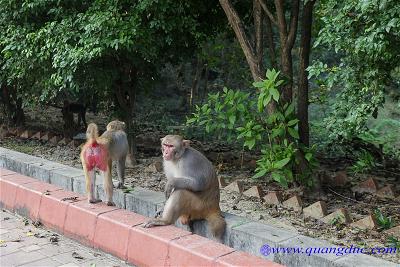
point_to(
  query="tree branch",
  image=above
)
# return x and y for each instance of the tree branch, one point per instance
(280, 11)
(270, 41)
(269, 14)
(258, 28)
(244, 42)
(294, 18)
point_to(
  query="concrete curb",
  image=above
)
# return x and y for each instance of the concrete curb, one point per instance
(241, 233)
(114, 230)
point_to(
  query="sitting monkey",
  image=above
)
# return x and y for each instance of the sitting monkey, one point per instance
(192, 188)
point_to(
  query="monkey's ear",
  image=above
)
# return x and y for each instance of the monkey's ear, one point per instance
(186, 143)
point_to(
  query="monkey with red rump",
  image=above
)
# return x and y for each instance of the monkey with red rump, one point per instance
(98, 153)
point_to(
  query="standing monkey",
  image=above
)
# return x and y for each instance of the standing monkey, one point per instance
(192, 188)
(118, 147)
(99, 152)
(95, 154)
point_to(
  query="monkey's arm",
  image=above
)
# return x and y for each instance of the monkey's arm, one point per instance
(188, 183)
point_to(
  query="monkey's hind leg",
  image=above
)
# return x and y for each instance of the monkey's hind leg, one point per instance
(216, 224)
(172, 211)
(90, 186)
(121, 172)
(108, 185)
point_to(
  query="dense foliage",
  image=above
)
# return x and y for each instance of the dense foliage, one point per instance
(235, 114)
(365, 36)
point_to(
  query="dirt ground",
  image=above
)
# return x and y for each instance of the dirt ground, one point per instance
(144, 175)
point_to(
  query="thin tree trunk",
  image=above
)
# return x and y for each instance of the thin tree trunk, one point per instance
(270, 41)
(195, 84)
(287, 39)
(207, 73)
(13, 106)
(244, 42)
(305, 45)
(259, 35)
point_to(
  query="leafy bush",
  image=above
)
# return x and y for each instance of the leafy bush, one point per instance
(242, 116)
(364, 163)
(384, 222)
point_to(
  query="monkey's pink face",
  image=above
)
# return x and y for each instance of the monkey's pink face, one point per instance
(168, 151)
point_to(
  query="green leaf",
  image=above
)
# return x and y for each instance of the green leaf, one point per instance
(280, 179)
(259, 174)
(275, 94)
(258, 84)
(308, 156)
(280, 164)
(289, 110)
(293, 133)
(292, 122)
(232, 119)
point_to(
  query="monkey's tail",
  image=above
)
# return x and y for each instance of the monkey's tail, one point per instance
(92, 132)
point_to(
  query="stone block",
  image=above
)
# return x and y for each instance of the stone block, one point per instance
(340, 215)
(312, 252)
(118, 196)
(63, 177)
(47, 136)
(367, 186)
(316, 210)
(273, 198)
(65, 141)
(339, 179)
(74, 143)
(27, 134)
(368, 222)
(254, 191)
(144, 201)
(200, 227)
(55, 139)
(386, 192)
(41, 170)
(395, 231)
(294, 203)
(235, 186)
(356, 260)
(250, 237)
(79, 185)
(37, 135)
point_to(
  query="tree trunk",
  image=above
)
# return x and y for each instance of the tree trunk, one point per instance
(244, 42)
(305, 45)
(207, 73)
(270, 41)
(68, 118)
(13, 107)
(195, 84)
(126, 94)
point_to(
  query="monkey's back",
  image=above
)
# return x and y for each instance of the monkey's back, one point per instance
(118, 143)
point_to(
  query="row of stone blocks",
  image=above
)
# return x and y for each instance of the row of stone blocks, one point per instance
(50, 137)
(241, 233)
(318, 210)
(114, 230)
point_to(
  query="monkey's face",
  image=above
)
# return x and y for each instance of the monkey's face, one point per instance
(168, 151)
(173, 147)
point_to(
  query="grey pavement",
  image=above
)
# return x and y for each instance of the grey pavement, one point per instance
(23, 244)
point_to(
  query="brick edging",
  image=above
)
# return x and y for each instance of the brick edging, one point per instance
(114, 230)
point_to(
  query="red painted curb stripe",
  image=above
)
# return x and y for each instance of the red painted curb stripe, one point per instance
(116, 231)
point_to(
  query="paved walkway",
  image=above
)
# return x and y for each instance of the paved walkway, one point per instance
(23, 244)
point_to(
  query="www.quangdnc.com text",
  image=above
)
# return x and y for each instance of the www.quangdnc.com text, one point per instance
(338, 251)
